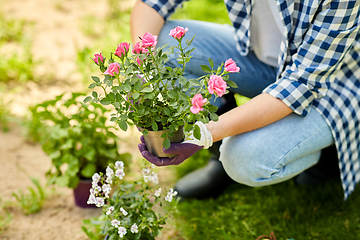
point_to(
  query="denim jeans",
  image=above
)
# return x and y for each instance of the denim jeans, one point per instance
(271, 154)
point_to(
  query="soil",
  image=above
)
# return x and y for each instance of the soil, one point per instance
(56, 36)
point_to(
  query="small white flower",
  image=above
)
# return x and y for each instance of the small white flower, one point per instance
(92, 199)
(145, 171)
(122, 231)
(95, 179)
(109, 171)
(119, 164)
(115, 223)
(158, 192)
(109, 211)
(109, 180)
(154, 178)
(99, 202)
(120, 173)
(134, 228)
(171, 193)
(123, 211)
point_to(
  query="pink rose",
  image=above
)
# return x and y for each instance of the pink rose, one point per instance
(122, 49)
(98, 58)
(217, 85)
(230, 66)
(137, 49)
(197, 103)
(178, 32)
(139, 61)
(149, 40)
(113, 68)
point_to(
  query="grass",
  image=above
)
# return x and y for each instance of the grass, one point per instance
(32, 201)
(290, 211)
(16, 63)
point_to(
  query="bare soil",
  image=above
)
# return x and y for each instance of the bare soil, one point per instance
(56, 35)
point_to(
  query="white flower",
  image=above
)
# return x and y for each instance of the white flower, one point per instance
(109, 180)
(115, 223)
(109, 171)
(92, 199)
(171, 193)
(158, 192)
(123, 211)
(95, 179)
(119, 164)
(154, 178)
(122, 231)
(99, 202)
(120, 173)
(109, 211)
(145, 171)
(106, 189)
(134, 228)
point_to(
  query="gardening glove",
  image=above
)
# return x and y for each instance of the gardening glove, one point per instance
(182, 150)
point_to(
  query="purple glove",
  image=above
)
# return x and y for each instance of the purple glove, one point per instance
(182, 150)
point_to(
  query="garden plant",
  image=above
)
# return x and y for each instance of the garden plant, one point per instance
(134, 208)
(152, 96)
(76, 136)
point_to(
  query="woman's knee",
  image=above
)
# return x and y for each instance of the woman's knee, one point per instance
(247, 162)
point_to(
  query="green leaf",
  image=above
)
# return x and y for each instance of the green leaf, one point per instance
(146, 90)
(214, 117)
(172, 94)
(194, 82)
(105, 101)
(92, 85)
(211, 62)
(87, 99)
(135, 95)
(154, 125)
(166, 111)
(123, 125)
(206, 68)
(88, 170)
(54, 155)
(95, 79)
(232, 84)
(94, 94)
(166, 143)
(62, 181)
(182, 80)
(197, 133)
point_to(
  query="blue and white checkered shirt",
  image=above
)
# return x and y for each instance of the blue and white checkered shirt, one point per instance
(319, 65)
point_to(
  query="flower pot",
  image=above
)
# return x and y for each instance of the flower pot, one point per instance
(82, 192)
(154, 141)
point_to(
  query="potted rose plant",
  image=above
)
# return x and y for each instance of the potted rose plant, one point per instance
(134, 208)
(78, 139)
(154, 97)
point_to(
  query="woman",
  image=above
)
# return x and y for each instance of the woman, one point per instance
(299, 63)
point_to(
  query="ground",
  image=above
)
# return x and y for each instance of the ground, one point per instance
(56, 39)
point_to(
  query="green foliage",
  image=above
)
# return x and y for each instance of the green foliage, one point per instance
(5, 218)
(215, 11)
(291, 211)
(18, 64)
(136, 205)
(4, 115)
(31, 202)
(76, 137)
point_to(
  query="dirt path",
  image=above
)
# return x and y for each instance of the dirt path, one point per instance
(57, 37)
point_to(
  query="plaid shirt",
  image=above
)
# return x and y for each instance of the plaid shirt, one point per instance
(319, 66)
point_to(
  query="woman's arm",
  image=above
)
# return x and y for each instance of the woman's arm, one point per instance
(144, 19)
(260, 111)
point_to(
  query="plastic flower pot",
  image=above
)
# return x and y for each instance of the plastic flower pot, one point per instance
(82, 192)
(154, 141)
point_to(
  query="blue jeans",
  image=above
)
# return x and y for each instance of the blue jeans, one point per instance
(269, 155)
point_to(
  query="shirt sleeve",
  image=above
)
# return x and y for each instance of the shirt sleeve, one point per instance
(313, 65)
(164, 7)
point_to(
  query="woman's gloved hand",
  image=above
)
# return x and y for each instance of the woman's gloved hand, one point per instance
(182, 150)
